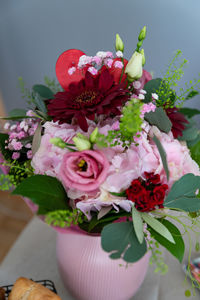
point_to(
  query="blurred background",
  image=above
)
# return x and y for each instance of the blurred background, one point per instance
(33, 33)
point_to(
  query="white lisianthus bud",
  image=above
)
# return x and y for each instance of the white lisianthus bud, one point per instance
(142, 34)
(81, 142)
(119, 45)
(93, 135)
(58, 142)
(134, 66)
(143, 57)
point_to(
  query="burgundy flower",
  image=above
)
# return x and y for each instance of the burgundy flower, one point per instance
(135, 190)
(91, 96)
(159, 194)
(178, 121)
(152, 178)
(149, 194)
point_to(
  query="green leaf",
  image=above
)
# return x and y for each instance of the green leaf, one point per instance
(7, 154)
(158, 227)
(15, 118)
(163, 155)
(190, 133)
(189, 112)
(137, 224)
(37, 139)
(159, 118)
(40, 104)
(17, 112)
(122, 194)
(150, 87)
(192, 94)
(195, 152)
(45, 191)
(183, 194)
(121, 240)
(176, 249)
(43, 91)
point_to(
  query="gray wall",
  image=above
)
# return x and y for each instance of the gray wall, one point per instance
(34, 32)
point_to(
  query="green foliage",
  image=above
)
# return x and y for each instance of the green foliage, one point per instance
(26, 93)
(189, 112)
(190, 134)
(7, 154)
(19, 171)
(52, 84)
(130, 126)
(195, 152)
(192, 94)
(5, 182)
(157, 257)
(43, 91)
(159, 118)
(158, 226)
(121, 240)
(163, 155)
(17, 112)
(45, 191)
(137, 224)
(177, 249)
(64, 218)
(183, 194)
(166, 93)
(150, 87)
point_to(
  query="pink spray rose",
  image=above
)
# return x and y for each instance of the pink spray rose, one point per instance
(84, 170)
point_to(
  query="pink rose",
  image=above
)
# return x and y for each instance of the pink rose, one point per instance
(146, 76)
(84, 171)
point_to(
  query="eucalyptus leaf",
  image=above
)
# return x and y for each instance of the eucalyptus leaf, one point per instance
(183, 194)
(177, 249)
(39, 102)
(43, 91)
(195, 152)
(158, 227)
(163, 155)
(189, 112)
(37, 139)
(137, 224)
(45, 191)
(159, 118)
(120, 240)
(15, 118)
(150, 87)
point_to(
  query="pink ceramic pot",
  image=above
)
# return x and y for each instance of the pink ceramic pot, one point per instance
(88, 272)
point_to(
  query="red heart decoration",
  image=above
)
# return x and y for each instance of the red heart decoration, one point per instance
(67, 60)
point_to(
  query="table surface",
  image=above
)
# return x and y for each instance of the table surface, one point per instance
(34, 256)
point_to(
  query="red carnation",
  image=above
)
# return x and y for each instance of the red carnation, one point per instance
(135, 190)
(152, 178)
(159, 194)
(91, 96)
(178, 121)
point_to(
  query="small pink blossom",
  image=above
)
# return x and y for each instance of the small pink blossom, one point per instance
(137, 85)
(6, 125)
(146, 108)
(16, 145)
(71, 70)
(29, 154)
(119, 54)
(109, 62)
(28, 146)
(15, 155)
(97, 60)
(118, 64)
(109, 54)
(92, 70)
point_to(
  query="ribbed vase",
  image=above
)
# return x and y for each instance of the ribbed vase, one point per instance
(89, 274)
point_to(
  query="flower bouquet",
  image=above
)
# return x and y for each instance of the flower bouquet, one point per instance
(109, 153)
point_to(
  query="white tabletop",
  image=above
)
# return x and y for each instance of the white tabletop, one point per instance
(34, 256)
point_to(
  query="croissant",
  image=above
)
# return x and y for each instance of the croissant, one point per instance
(26, 289)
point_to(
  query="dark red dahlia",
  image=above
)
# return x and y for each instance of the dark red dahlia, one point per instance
(178, 121)
(90, 97)
(147, 194)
